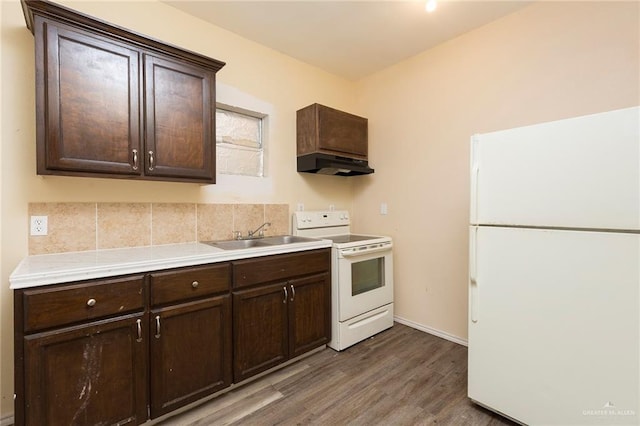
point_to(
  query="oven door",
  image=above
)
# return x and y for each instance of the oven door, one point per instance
(365, 279)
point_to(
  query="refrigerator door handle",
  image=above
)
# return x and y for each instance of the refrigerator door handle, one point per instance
(473, 274)
(474, 301)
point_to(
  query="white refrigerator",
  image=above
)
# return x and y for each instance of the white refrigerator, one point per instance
(554, 271)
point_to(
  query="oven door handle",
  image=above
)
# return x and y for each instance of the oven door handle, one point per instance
(353, 253)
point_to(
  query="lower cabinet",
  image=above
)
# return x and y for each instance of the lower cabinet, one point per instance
(87, 375)
(309, 313)
(260, 324)
(125, 349)
(284, 312)
(276, 322)
(190, 352)
(81, 353)
(189, 335)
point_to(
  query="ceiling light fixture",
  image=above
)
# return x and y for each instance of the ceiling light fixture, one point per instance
(431, 5)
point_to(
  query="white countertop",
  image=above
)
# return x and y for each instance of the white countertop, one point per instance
(58, 268)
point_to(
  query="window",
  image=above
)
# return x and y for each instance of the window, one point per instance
(239, 141)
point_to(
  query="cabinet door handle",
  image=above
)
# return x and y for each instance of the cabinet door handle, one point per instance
(139, 327)
(91, 303)
(293, 293)
(195, 284)
(285, 294)
(151, 160)
(157, 326)
(135, 159)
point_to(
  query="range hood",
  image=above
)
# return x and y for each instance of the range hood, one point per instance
(326, 164)
(331, 142)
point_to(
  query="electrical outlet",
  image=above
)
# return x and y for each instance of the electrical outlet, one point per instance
(384, 209)
(300, 207)
(332, 207)
(39, 225)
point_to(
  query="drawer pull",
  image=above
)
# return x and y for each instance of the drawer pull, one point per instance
(157, 326)
(285, 294)
(195, 284)
(139, 327)
(91, 302)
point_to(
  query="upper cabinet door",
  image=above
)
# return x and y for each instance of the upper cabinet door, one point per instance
(330, 131)
(88, 114)
(180, 126)
(342, 133)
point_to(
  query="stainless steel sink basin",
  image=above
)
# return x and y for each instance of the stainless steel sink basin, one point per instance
(259, 242)
(237, 244)
(287, 239)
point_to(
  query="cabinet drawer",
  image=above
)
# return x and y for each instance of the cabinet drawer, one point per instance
(184, 284)
(280, 267)
(60, 305)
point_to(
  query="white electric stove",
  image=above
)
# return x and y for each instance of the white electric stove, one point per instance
(361, 276)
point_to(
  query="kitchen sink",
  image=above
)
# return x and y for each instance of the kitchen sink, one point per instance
(259, 242)
(237, 244)
(287, 239)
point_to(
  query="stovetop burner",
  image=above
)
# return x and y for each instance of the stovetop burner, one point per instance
(332, 225)
(349, 238)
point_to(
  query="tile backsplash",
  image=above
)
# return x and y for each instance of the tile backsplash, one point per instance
(91, 226)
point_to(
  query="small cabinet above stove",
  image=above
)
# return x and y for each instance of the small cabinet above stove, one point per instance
(330, 141)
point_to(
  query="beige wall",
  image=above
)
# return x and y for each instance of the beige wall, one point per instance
(254, 75)
(546, 62)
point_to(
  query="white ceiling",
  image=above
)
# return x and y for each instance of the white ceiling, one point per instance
(351, 39)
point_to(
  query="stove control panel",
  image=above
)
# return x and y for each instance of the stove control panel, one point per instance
(320, 219)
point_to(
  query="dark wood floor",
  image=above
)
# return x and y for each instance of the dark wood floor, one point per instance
(399, 377)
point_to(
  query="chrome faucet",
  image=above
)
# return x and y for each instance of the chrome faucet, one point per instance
(250, 234)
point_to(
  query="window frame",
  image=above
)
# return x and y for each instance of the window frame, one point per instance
(261, 150)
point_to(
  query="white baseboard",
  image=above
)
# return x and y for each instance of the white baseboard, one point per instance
(435, 332)
(7, 420)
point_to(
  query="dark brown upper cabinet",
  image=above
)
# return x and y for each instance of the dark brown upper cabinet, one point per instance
(112, 103)
(330, 131)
